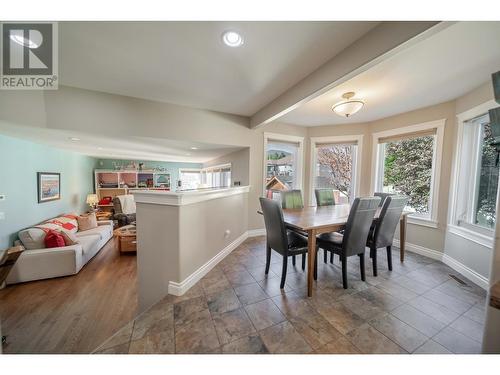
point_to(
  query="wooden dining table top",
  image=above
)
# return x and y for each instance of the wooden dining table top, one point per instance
(317, 217)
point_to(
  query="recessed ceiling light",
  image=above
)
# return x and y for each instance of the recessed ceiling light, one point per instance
(232, 39)
(100, 148)
(23, 41)
(194, 148)
(74, 139)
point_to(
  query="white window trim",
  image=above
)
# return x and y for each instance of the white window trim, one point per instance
(336, 139)
(377, 165)
(300, 157)
(466, 233)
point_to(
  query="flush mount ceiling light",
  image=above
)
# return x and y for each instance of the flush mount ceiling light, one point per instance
(232, 39)
(194, 148)
(74, 139)
(349, 106)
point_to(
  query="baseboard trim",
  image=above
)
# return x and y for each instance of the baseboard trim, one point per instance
(256, 232)
(461, 268)
(469, 273)
(178, 289)
(417, 249)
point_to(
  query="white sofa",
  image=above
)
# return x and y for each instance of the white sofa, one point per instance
(37, 264)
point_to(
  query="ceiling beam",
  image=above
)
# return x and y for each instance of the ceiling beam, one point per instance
(378, 44)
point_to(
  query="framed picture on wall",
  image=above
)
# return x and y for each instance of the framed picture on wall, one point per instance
(49, 186)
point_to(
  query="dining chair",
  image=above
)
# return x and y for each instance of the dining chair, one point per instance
(280, 239)
(382, 197)
(353, 240)
(324, 197)
(382, 235)
(292, 199)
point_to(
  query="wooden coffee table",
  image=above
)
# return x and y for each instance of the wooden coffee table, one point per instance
(126, 238)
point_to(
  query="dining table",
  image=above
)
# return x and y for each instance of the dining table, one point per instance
(315, 220)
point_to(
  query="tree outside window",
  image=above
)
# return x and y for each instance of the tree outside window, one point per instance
(335, 168)
(408, 171)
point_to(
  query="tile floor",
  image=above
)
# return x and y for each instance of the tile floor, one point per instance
(236, 308)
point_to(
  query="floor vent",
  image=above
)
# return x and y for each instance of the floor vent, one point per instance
(458, 280)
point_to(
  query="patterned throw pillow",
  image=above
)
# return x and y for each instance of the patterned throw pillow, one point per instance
(68, 223)
(69, 238)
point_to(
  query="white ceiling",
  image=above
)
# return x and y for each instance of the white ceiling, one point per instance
(186, 62)
(440, 68)
(128, 148)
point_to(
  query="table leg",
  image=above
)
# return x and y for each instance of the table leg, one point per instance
(311, 254)
(402, 237)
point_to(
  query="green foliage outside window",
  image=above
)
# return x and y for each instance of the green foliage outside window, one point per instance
(408, 170)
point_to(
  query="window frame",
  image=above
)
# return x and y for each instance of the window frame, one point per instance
(269, 137)
(336, 140)
(378, 166)
(480, 235)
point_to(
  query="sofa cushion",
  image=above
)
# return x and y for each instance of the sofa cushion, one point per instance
(88, 243)
(32, 238)
(69, 238)
(86, 222)
(102, 231)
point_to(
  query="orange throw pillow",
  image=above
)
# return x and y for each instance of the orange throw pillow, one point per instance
(87, 221)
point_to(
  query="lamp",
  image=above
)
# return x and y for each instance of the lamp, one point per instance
(348, 107)
(92, 201)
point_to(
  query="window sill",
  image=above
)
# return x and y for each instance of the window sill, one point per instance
(470, 235)
(422, 221)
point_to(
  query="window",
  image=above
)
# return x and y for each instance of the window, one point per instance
(408, 162)
(216, 176)
(335, 166)
(190, 178)
(210, 177)
(477, 176)
(283, 163)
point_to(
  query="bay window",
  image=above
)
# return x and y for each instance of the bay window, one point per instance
(335, 166)
(476, 182)
(282, 163)
(408, 162)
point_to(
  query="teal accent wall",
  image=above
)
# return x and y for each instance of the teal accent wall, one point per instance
(20, 161)
(171, 167)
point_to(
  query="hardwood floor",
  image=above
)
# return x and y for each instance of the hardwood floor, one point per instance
(73, 314)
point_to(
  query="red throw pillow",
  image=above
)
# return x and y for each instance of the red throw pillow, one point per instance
(54, 239)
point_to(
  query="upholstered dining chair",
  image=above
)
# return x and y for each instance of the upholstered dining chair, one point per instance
(324, 197)
(280, 239)
(382, 197)
(353, 240)
(292, 199)
(382, 235)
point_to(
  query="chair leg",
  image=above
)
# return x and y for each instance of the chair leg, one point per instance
(344, 271)
(362, 266)
(373, 251)
(325, 256)
(283, 272)
(331, 257)
(268, 258)
(303, 262)
(389, 258)
(293, 260)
